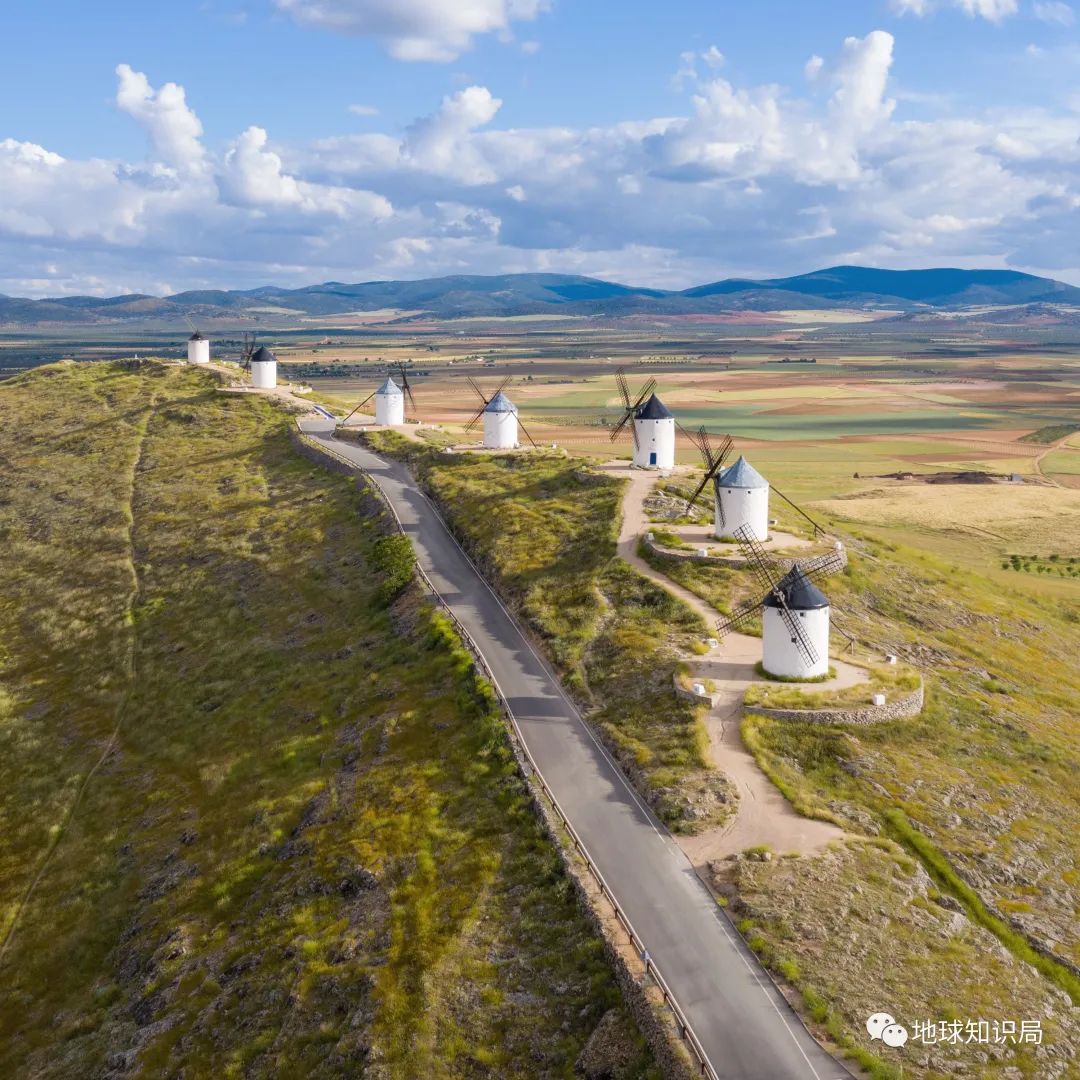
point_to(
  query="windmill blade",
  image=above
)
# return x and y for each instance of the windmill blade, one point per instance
(822, 566)
(713, 462)
(616, 431)
(358, 408)
(502, 386)
(725, 449)
(194, 328)
(738, 618)
(650, 386)
(624, 388)
(521, 425)
(798, 635)
(479, 412)
(756, 558)
(407, 388)
(479, 393)
(697, 491)
(818, 530)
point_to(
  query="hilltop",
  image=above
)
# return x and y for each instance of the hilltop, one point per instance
(558, 294)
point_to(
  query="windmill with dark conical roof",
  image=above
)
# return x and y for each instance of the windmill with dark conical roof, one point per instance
(653, 425)
(263, 368)
(794, 612)
(198, 347)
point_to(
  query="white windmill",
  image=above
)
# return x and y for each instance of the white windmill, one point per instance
(501, 419)
(263, 365)
(794, 612)
(389, 401)
(653, 425)
(198, 347)
(741, 501)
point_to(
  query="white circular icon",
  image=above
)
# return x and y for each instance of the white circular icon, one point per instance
(877, 1023)
(894, 1035)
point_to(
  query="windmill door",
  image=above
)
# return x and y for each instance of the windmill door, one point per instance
(652, 458)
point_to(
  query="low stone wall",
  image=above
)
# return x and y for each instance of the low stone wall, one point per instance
(911, 704)
(735, 562)
(689, 695)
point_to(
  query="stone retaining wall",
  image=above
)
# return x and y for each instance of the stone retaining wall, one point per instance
(900, 708)
(689, 695)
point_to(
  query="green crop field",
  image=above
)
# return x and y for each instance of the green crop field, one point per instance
(259, 816)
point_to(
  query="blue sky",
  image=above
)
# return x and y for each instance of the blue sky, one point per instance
(288, 141)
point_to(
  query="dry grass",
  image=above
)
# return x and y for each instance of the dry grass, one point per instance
(309, 852)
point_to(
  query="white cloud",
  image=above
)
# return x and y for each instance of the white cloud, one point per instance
(1054, 12)
(439, 143)
(252, 176)
(174, 130)
(364, 110)
(747, 180)
(438, 30)
(993, 10)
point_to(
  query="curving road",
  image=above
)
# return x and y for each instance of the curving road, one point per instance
(748, 1030)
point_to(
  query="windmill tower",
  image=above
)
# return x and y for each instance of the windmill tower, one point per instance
(389, 404)
(794, 613)
(389, 401)
(501, 420)
(263, 369)
(198, 347)
(653, 425)
(741, 501)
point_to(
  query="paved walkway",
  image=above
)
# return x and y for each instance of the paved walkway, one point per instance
(764, 816)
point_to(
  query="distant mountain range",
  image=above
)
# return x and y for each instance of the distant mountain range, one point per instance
(556, 294)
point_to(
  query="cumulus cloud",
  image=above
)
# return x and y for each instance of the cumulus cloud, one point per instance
(439, 143)
(438, 30)
(174, 131)
(993, 10)
(744, 179)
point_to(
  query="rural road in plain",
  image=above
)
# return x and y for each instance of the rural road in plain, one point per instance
(747, 1029)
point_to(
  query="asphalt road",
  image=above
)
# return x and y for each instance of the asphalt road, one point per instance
(748, 1030)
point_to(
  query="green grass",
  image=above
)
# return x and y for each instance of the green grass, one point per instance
(543, 527)
(308, 848)
(1051, 433)
(892, 681)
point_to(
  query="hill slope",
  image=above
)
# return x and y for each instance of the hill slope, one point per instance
(276, 821)
(532, 294)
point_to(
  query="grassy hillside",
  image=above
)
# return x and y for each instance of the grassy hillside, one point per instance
(981, 789)
(543, 526)
(259, 817)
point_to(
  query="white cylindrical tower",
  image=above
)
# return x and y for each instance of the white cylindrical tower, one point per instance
(782, 653)
(654, 436)
(264, 369)
(500, 423)
(741, 499)
(389, 404)
(198, 349)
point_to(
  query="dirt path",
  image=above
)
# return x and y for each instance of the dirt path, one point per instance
(764, 816)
